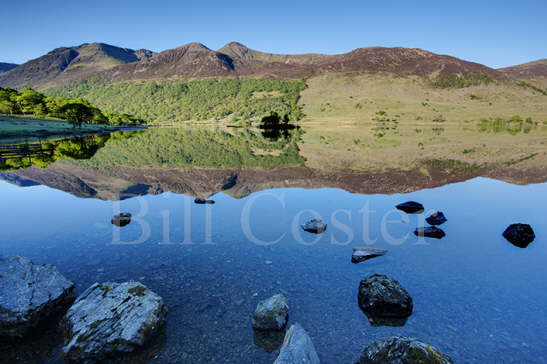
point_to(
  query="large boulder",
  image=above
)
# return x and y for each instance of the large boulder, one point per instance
(315, 226)
(202, 201)
(111, 318)
(411, 207)
(384, 300)
(436, 218)
(401, 350)
(297, 348)
(519, 235)
(30, 293)
(430, 232)
(271, 314)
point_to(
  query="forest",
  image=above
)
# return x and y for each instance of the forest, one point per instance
(75, 110)
(244, 100)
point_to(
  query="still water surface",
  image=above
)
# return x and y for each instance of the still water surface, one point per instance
(476, 297)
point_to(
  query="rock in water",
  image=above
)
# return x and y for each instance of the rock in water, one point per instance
(430, 232)
(411, 207)
(202, 201)
(315, 226)
(30, 293)
(297, 348)
(271, 314)
(401, 350)
(384, 300)
(436, 218)
(122, 219)
(111, 318)
(361, 254)
(519, 235)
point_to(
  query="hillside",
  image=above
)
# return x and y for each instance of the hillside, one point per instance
(5, 67)
(109, 64)
(532, 73)
(66, 64)
(527, 71)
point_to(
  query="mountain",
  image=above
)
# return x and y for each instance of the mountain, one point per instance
(527, 71)
(193, 60)
(196, 61)
(5, 67)
(70, 63)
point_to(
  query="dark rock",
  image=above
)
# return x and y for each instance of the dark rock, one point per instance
(411, 207)
(436, 218)
(361, 254)
(519, 235)
(122, 219)
(269, 341)
(297, 348)
(401, 350)
(271, 314)
(29, 294)
(111, 318)
(384, 300)
(202, 201)
(430, 232)
(315, 226)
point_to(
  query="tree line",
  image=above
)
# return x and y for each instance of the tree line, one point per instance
(75, 110)
(244, 100)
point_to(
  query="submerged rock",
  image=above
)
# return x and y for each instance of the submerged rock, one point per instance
(111, 318)
(401, 350)
(384, 300)
(361, 254)
(430, 232)
(202, 201)
(269, 341)
(519, 235)
(315, 226)
(297, 348)
(122, 219)
(271, 314)
(436, 218)
(29, 294)
(411, 207)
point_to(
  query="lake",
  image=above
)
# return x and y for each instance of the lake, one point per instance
(476, 297)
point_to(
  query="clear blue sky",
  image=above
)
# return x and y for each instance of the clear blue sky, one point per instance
(495, 33)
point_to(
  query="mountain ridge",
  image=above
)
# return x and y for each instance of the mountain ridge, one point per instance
(5, 67)
(196, 61)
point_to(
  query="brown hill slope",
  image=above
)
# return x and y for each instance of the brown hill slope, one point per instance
(194, 61)
(527, 71)
(70, 63)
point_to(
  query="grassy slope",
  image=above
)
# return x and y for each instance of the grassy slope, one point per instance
(335, 97)
(340, 135)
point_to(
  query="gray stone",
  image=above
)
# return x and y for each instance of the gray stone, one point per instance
(271, 314)
(297, 348)
(384, 300)
(29, 294)
(111, 318)
(430, 232)
(411, 207)
(401, 350)
(519, 235)
(315, 226)
(436, 218)
(361, 254)
(121, 220)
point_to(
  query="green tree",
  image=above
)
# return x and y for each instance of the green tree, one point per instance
(76, 113)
